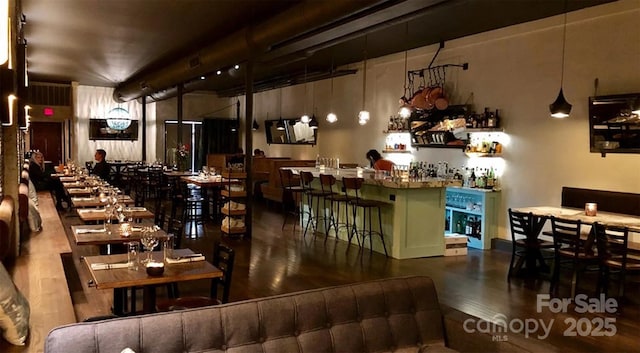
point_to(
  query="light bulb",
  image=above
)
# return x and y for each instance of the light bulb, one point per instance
(332, 118)
(404, 112)
(363, 115)
(304, 119)
(362, 121)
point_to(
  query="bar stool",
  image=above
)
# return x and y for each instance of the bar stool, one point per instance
(193, 211)
(335, 201)
(352, 188)
(289, 189)
(306, 178)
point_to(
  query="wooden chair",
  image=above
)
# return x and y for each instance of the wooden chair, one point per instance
(569, 249)
(223, 258)
(524, 244)
(335, 200)
(612, 243)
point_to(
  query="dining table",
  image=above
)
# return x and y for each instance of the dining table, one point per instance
(114, 272)
(212, 184)
(540, 215)
(101, 234)
(94, 201)
(97, 214)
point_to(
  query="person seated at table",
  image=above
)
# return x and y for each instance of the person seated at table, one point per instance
(102, 167)
(258, 153)
(42, 180)
(379, 163)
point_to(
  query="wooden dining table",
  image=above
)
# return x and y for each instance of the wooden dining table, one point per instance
(94, 201)
(543, 213)
(98, 234)
(119, 279)
(97, 214)
(212, 186)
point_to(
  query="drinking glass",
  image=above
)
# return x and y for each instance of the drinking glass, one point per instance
(132, 255)
(149, 241)
(167, 247)
(108, 213)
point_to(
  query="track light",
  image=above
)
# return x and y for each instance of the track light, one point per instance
(237, 67)
(202, 77)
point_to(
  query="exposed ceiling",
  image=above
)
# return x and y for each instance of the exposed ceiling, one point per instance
(127, 42)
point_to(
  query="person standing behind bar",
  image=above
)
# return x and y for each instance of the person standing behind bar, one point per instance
(379, 163)
(102, 168)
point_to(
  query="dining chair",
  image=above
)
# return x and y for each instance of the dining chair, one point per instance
(313, 196)
(525, 246)
(570, 251)
(352, 191)
(613, 245)
(223, 259)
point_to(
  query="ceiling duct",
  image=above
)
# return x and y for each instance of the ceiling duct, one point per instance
(242, 44)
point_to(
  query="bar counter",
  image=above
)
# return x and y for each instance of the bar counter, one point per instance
(414, 221)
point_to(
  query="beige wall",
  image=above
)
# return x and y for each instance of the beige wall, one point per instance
(516, 69)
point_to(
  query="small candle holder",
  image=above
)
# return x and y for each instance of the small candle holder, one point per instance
(591, 209)
(125, 230)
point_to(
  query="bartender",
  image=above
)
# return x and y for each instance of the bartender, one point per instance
(379, 163)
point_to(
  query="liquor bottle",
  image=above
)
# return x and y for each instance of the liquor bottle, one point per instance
(497, 119)
(491, 121)
(472, 179)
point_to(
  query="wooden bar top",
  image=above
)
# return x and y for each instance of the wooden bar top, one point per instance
(369, 178)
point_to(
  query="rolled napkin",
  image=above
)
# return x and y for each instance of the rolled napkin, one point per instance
(81, 198)
(136, 208)
(88, 230)
(103, 266)
(136, 229)
(184, 259)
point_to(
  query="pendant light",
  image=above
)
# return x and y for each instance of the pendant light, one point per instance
(305, 118)
(405, 108)
(561, 108)
(331, 117)
(280, 123)
(363, 116)
(313, 122)
(254, 125)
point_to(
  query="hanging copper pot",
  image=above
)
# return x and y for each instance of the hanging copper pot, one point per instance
(418, 101)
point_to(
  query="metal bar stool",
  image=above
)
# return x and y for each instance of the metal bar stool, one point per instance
(289, 189)
(327, 181)
(352, 188)
(193, 210)
(306, 178)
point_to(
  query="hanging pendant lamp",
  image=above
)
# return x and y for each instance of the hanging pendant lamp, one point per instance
(561, 108)
(280, 123)
(331, 117)
(363, 116)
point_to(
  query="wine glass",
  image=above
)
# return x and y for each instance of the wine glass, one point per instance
(149, 241)
(108, 213)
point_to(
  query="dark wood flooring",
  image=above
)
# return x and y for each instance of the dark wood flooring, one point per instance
(275, 261)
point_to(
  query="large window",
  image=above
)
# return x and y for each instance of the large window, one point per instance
(191, 131)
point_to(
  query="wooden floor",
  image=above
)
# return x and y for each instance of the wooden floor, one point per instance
(276, 261)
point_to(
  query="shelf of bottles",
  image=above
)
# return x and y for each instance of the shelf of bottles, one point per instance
(472, 213)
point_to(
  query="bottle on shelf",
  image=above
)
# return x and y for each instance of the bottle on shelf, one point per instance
(318, 162)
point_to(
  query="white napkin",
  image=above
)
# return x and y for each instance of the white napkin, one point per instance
(89, 211)
(102, 266)
(136, 209)
(178, 260)
(81, 198)
(88, 230)
(136, 229)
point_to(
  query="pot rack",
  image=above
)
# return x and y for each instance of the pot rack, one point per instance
(430, 76)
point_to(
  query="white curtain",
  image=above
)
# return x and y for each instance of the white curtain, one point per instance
(94, 103)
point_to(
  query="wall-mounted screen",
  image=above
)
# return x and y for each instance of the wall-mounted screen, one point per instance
(99, 130)
(290, 131)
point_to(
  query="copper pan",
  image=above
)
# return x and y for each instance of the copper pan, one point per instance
(419, 101)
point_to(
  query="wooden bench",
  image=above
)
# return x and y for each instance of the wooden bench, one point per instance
(273, 189)
(39, 274)
(608, 201)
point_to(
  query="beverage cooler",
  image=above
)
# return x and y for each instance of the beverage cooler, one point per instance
(472, 213)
